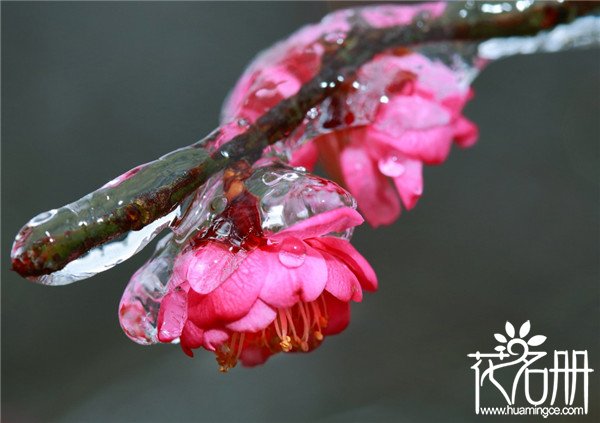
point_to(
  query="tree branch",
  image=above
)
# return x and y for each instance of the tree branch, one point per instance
(157, 188)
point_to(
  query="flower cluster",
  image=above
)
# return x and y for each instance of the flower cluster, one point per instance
(274, 271)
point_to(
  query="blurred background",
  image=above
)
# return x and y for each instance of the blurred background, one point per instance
(507, 230)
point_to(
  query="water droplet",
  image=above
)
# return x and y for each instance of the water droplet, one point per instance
(312, 113)
(42, 218)
(218, 204)
(391, 166)
(335, 37)
(292, 252)
(423, 21)
(223, 229)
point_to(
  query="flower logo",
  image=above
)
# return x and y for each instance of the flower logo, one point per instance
(510, 338)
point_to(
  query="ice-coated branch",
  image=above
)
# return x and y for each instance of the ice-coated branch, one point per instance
(152, 191)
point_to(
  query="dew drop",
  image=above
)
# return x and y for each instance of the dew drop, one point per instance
(224, 228)
(42, 218)
(312, 113)
(391, 166)
(292, 252)
(218, 204)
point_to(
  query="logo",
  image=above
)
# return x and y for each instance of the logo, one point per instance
(516, 376)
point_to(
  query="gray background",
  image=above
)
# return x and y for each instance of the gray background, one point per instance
(507, 230)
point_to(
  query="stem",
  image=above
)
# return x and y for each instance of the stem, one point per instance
(160, 186)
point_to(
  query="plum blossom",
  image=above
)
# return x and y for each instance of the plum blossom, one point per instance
(415, 120)
(415, 124)
(285, 294)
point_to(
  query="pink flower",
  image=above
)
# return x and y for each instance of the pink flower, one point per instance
(285, 294)
(416, 122)
(413, 121)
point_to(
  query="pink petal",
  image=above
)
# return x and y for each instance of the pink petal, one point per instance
(343, 250)
(455, 103)
(373, 191)
(209, 266)
(192, 337)
(385, 15)
(341, 281)
(306, 156)
(465, 132)
(416, 127)
(336, 220)
(409, 112)
(233, 298)
(180, 266)
(253, 356)
(271, 85)
(214, 338)
(339, 315)
(431, 146)
(233, 104)
(172, 315)
(434, 79)
(410, 183)
(284, 286)
(259, 317)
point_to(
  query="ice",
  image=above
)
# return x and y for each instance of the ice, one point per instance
(108, 255)
(140, 304)
(583, 32)
(289, 195)
(285, 196)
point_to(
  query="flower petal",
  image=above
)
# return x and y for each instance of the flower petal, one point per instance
(209, 266)
(402, 113)
(214, 338)
(192, 337)
(352, 258)
(259, 317)
(339, 315)
(341, 281)
(336, 220)
(233, 298)
(465, 132)
(380, 16)
(410, 183)
(254, 355)
(373, 191)
(284, 286)
(431, 145)
(172, 315)
(306, 156)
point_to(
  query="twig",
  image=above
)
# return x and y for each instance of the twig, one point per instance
(160, 186)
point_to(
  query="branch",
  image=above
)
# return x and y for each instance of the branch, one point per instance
(48, 243)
